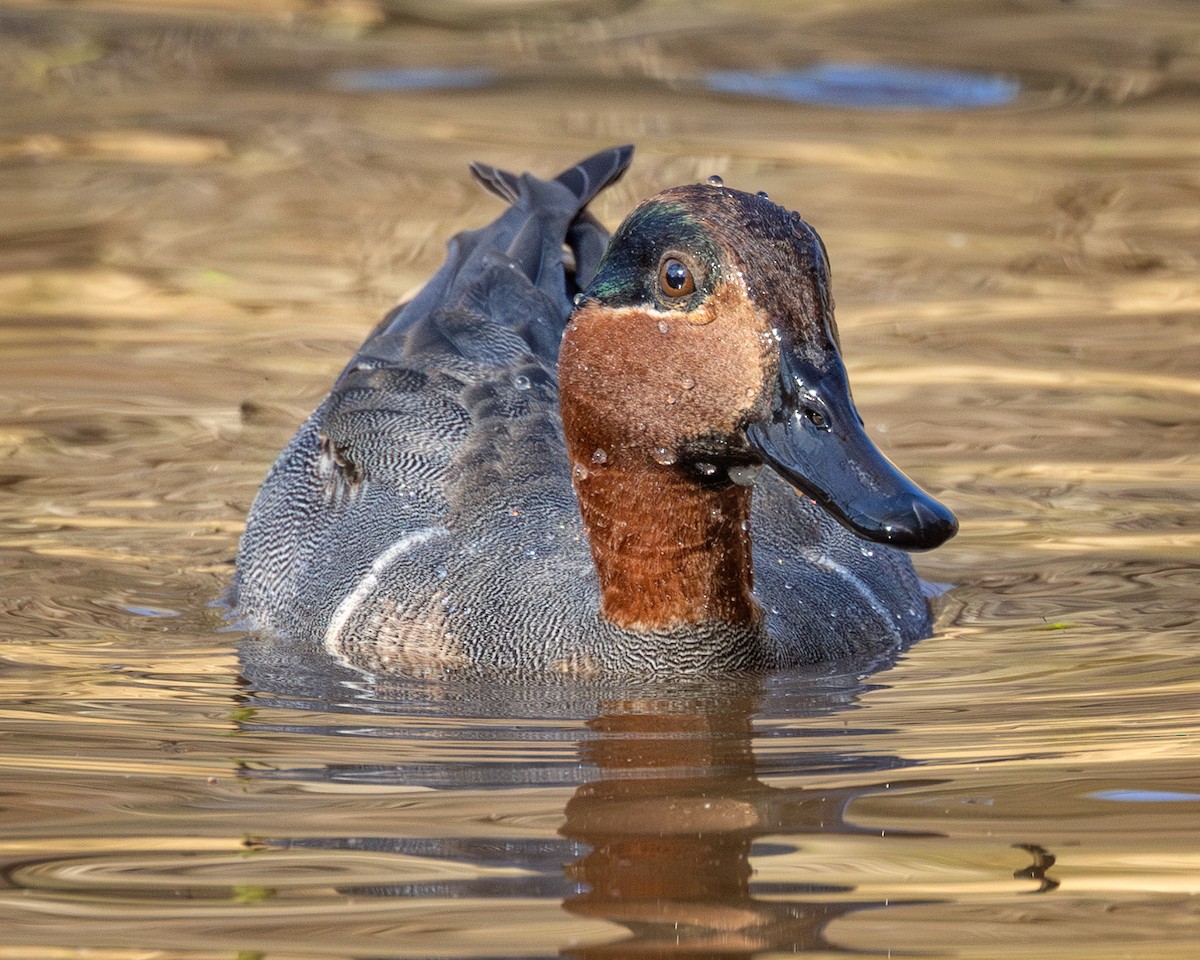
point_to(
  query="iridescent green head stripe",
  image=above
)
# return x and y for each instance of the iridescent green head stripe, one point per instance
(628, 274)
(727, 233)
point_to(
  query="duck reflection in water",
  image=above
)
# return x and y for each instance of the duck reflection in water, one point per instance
(659, 834)
(670, 824)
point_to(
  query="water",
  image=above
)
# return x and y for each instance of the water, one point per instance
(877, 86)
(199, 220)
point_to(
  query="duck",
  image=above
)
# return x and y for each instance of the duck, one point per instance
(576, 454)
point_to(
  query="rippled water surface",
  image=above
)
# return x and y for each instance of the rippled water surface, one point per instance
(202, 212)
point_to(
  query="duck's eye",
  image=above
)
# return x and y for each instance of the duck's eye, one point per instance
(675, 279)
(817, 418)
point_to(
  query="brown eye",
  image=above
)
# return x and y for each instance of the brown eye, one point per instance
(675, 279)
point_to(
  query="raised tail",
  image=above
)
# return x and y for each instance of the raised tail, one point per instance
(588, 177)
(585, 179)
(543, 215)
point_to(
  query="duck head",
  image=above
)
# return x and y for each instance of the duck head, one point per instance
(706, 346)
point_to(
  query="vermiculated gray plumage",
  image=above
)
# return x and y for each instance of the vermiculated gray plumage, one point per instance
(423, 520)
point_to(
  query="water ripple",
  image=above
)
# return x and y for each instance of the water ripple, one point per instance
(383, 79)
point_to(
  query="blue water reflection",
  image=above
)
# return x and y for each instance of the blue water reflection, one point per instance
(869, 86)
(1146, 796)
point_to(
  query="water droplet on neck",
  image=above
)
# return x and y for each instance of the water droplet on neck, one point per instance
(689, 383)
(664, 455)
(580, 471)
(744, 474)
(599, 456)
(715, 181)
(577, 299)
(662, 326)
(522, 382)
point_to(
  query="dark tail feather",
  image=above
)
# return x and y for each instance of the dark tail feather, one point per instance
(586, 179)
(500, 182)
(588, 240)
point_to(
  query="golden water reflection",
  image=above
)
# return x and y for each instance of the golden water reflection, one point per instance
(670, 825)
(198, 224)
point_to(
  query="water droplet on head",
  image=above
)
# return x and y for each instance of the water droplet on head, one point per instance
(522, 382)
(762, 195)
(440, 572)
(577, 299)
(580, 471)
(662, 326)
(670, 399)
(664, 455)
(745, 525)
(715, 181)
(706, 469)
(599, 456)
(689, 383)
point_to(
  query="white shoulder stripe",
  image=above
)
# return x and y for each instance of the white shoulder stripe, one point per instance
(370, 581)
(857, 582)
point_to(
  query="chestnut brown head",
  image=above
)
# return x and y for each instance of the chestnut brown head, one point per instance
(706, 345)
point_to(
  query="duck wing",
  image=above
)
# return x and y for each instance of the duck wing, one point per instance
(481, 340)
(443, 431)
